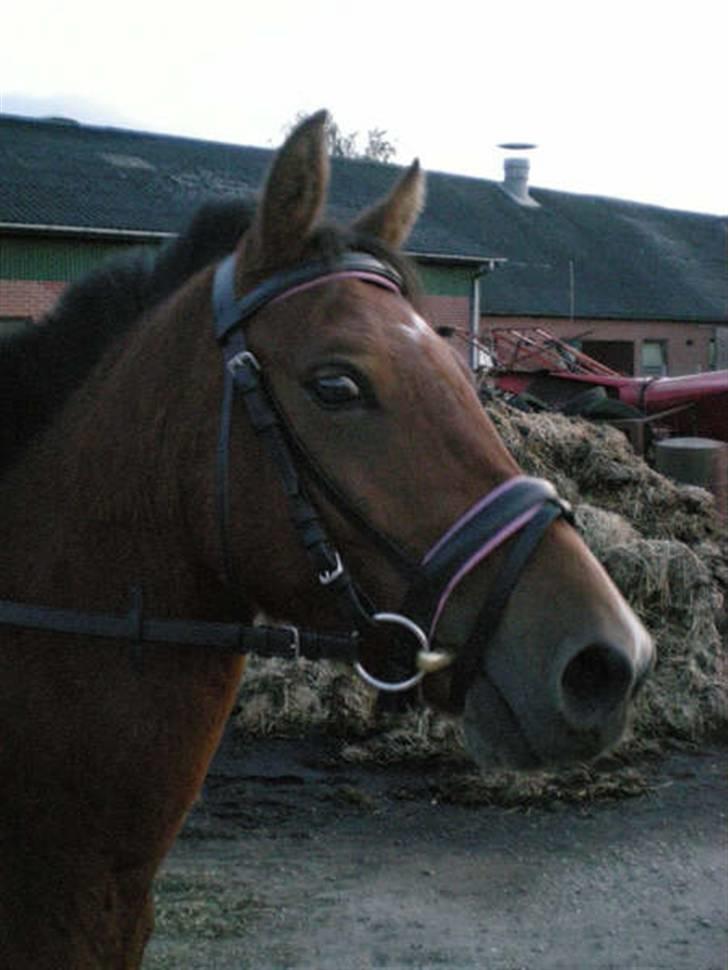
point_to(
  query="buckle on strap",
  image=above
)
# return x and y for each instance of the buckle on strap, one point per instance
(244, 367)
(295, 642)
(329, 576)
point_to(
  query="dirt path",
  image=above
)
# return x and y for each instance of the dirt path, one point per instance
(295, 861)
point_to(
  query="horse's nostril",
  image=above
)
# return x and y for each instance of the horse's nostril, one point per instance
(595, 681)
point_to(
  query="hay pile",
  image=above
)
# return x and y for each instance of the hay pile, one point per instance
(662, 544)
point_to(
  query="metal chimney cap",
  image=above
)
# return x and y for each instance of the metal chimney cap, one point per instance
(517, 167)
(515, 181)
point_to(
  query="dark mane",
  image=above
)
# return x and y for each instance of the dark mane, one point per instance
(42, 366)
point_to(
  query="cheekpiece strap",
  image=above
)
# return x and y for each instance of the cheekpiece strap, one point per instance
(244, 375)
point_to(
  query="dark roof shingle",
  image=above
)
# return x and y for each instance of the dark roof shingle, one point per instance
(626, 260)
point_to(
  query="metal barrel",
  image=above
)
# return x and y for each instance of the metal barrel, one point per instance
(696, 461)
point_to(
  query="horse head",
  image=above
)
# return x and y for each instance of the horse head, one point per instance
(466, 568)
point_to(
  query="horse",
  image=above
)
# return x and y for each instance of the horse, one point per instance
(269, 429)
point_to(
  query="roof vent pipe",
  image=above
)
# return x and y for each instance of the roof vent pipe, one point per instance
(515, 178)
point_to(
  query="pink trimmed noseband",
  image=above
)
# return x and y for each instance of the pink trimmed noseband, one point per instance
(503, 513)
(485, 550)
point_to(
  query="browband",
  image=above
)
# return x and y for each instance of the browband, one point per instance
(230, 311)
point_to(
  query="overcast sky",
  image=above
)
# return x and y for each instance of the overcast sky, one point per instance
(626, 99)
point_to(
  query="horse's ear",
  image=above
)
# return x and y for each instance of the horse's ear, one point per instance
(393, 218)
(294, 194)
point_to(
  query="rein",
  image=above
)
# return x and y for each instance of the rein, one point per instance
(521, 508)
(286, 642)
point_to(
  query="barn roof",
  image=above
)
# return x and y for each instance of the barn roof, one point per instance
(615, 258)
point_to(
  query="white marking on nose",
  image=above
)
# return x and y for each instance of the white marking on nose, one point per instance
(416, 328)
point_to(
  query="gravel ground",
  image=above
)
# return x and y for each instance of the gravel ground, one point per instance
(296, 860)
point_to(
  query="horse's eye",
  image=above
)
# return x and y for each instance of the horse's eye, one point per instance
(335, 390)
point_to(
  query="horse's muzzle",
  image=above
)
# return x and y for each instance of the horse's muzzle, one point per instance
(579, 708)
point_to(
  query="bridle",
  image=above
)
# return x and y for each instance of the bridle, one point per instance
(520, 509)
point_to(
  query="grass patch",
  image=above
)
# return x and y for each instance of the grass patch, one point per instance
(203, 906)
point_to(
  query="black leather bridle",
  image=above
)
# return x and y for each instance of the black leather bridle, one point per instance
(520, 509)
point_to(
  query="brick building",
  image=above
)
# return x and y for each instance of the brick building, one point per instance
(642, 288)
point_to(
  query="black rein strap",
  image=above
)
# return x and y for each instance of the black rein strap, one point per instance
(134, 627)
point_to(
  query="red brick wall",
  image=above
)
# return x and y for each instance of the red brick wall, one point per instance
(447, 311)
(28, 298)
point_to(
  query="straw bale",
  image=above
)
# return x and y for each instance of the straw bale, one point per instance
(602, 530)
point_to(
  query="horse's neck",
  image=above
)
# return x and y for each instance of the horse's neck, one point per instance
(117, 492)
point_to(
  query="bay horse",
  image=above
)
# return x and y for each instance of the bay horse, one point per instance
(277, 431)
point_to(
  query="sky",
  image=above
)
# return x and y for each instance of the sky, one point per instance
(623, 99)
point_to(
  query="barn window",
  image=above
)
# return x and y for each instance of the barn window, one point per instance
(654, 358)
